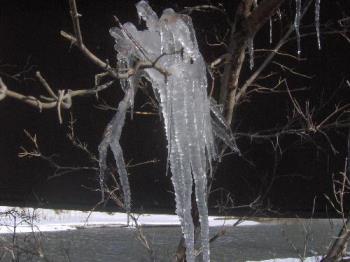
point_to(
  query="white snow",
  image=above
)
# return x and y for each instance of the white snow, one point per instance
(61, 220)
(307, 259)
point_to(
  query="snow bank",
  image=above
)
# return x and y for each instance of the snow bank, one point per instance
(60, 220)
(307, 259)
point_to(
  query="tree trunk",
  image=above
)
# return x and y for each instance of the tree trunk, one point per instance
(338, 248)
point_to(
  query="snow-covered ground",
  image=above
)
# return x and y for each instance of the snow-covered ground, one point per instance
(306, 259)
(59, 220)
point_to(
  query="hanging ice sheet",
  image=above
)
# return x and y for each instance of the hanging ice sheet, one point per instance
(170, 41)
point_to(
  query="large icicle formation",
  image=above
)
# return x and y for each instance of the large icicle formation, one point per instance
(191, 120)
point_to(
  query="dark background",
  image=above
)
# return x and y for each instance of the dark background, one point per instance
(30, 39)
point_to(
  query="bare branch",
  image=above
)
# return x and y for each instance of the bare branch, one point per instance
(249, 24)
(61, 101)
(59, 170)
(75, 19)
(45, 84)
(269, 58)
(230, 93)
(104, 66)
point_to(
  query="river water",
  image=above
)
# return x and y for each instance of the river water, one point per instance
(270, 239)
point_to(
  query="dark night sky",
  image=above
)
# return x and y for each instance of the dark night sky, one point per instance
(29, 32)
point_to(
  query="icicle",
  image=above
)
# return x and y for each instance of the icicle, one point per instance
(270, 24)
(220, 128)
(251, 52)
(111, 140)
(297, 24)
(146, 12)
(317, 22)
(186, 110)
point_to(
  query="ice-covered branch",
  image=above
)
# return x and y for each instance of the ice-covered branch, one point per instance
(111, 140)
(77, 40)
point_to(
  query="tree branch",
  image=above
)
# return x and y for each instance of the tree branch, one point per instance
(245, 26)
(269, 58)
(63, 100)
(75, 20)
(97, 61)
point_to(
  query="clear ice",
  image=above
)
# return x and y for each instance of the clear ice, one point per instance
(192, 120)
(297, 23)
